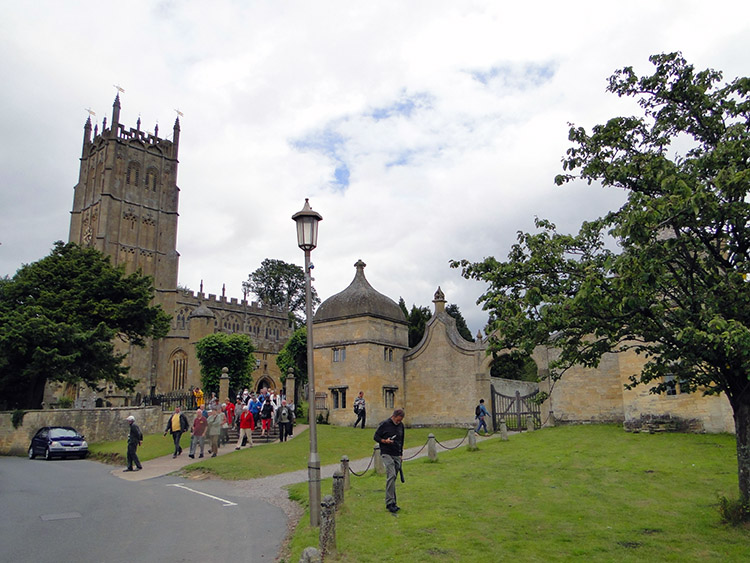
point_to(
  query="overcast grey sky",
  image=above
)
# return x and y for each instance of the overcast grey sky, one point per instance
(421, 131)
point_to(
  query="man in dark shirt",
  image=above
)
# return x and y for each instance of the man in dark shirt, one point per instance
(390, 436)
(135, 437)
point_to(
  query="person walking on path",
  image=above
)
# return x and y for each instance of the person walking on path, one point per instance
(247, 425)
(215, 420)
(390, 436)
(135, 437)
(284, 420)
(266, 415)
(359, 409)
(198, 431)
(481, 412)
(176, 425)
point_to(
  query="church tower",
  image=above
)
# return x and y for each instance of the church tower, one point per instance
(125, 205)
(125, 201)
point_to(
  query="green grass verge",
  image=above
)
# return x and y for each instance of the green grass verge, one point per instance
(588, 493)
(333, 442)
(153, 446)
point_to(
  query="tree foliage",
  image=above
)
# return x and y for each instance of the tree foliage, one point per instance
(417, 319)
(511, 366)
(463, 329)
(59, 317)
(231, 351)
(675, 290)
(282, 285)
(294, 355)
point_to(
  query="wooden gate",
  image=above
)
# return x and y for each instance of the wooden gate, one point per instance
(515, 410)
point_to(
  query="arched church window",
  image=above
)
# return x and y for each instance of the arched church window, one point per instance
(179, 362)
(134, 171)
(151, 176)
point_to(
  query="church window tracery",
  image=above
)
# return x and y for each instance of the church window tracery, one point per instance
(179, 370)
(134, 171)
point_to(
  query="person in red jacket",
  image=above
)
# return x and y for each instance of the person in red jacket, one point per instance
(247, 425)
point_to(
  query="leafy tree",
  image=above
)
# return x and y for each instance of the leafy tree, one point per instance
(675, 290)
(294, 355)
(417, 320)
(59, 317)
(453, 310)
(231, 351)
(511, 366)
(278, 284)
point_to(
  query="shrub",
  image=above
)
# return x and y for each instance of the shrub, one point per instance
(734, 511)
(17, 417)
(65, 403)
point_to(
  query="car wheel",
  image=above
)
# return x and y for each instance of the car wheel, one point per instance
(32, 455)
(47, 454)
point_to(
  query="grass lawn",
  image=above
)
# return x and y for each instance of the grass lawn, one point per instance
(589, 493)
(153, 446)
(333, 442)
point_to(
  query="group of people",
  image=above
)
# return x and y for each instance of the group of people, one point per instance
(249, 410)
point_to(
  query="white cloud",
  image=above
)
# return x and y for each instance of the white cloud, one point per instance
(449, 118)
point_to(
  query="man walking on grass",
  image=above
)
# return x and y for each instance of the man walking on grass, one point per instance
(390, 436)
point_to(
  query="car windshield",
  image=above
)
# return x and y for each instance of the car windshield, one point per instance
(62, 433)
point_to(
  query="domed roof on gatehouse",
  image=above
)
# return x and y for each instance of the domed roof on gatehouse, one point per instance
(360, 299)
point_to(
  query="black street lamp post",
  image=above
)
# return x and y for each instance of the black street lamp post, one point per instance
(307, 238)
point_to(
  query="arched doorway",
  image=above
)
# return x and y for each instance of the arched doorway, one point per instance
(266, 381)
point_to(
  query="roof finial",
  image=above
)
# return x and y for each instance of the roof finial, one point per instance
(360, 265)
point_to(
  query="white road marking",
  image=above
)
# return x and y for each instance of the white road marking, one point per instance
(63, 516)
(226, 502)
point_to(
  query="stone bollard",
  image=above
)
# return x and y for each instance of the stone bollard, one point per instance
(310, 555)
(345, 471)
(379, 465)
(431, 447)
(472, 440)
(503, 429)
(551, 419)
(327, 537)
(338, 488)
(530, 423)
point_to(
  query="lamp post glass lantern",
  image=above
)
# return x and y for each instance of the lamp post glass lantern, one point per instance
(307, 238)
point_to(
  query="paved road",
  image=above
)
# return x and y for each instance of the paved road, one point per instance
(67, 510)
(54, 511)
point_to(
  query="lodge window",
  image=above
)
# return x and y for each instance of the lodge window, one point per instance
(339, 354)
(338, 394)
(672, 385)
(387, 354)
(389, 396)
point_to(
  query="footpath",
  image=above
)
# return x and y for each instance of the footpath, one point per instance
(271, 488)
(161, 466)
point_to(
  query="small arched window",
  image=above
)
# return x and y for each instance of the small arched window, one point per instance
(133, 175)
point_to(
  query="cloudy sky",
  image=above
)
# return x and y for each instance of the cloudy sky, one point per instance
(421, 131)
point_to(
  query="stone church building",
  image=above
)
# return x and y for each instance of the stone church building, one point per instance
(125, 204)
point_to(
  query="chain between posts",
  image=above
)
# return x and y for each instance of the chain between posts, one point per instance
(372, 458)
(457, 445)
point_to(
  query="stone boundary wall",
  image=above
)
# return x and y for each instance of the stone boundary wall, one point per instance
(509, 387)
(100, 424)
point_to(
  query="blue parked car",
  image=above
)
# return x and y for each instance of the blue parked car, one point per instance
(58, 441)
